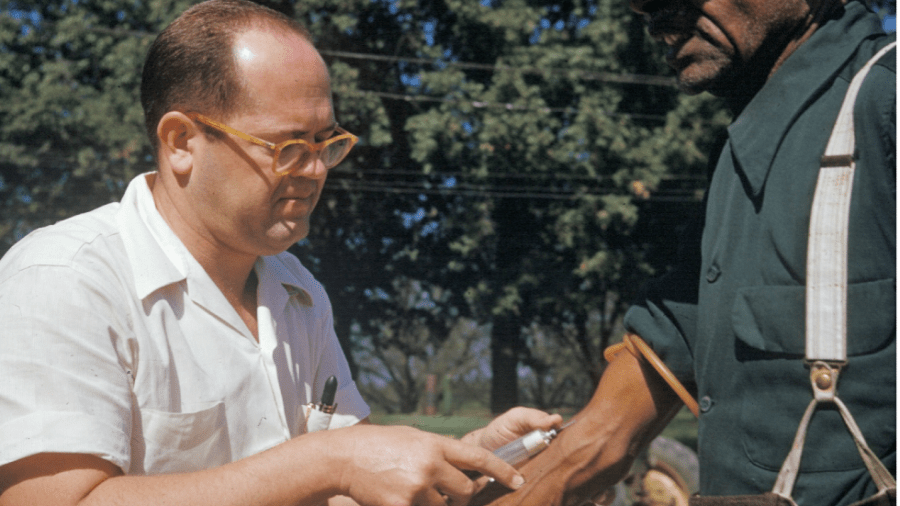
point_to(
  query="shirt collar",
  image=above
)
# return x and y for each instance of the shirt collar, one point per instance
(158, 258)
(149, 247)
(755, 135)
(278, 283)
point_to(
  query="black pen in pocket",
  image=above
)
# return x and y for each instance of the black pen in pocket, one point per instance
(318, 416)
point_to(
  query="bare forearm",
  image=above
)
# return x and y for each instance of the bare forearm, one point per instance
(374, 465)
(630, 406)
(274, 477)
(628, 409)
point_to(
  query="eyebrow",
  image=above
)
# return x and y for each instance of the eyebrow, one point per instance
(300, 133)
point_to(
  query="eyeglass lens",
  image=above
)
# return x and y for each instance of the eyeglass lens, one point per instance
(299, 155)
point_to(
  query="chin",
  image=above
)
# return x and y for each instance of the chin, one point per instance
(693, 82)
(283, 235)
(691, 87)
(706, 72)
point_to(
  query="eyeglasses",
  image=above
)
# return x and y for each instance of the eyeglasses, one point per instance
(293, 155)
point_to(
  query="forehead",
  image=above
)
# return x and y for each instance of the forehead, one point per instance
(282, 72)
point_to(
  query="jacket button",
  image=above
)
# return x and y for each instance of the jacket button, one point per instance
(705, 403)
(712, 274)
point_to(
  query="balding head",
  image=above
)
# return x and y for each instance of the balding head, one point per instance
(191, 65)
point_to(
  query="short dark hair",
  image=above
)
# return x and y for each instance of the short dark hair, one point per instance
(191, 66)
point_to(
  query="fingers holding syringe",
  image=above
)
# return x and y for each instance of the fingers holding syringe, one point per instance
(474, 461)
(511, 425)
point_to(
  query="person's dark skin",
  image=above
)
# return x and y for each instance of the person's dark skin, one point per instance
(597, 449)
(729, 48)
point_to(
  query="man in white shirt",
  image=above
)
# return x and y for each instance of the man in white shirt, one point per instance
(160, 350)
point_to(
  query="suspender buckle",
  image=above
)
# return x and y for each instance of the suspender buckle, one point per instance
(837, 161)
(824, 376)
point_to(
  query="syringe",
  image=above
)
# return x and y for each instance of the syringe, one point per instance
(527, 446)
(522, 449)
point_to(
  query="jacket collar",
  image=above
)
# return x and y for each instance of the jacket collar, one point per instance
(757, 132)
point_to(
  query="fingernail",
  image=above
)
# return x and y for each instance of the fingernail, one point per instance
(518, 481)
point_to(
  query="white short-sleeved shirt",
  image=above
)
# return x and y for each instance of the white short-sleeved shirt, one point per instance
(116, 343)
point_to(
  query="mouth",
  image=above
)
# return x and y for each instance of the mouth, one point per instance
(299, 196)
(673, 27)
(298, 200)
(292, 209)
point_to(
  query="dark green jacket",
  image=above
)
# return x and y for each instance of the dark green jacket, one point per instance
(729, 319)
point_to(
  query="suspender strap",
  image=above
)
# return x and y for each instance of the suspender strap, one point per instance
(784, 484)
(826, 262)
(826, 289)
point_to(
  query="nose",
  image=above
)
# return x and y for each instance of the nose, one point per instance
(312, 169)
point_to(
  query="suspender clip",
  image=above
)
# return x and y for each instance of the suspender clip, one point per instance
(823, 376)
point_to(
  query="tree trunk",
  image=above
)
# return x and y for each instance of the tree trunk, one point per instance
(515, 227)
(505, 344)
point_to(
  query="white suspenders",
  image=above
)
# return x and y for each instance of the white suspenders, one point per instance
(826, 290)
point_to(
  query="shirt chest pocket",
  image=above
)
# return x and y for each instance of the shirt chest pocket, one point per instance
(770, 319)
(184, 442)
(768, 323)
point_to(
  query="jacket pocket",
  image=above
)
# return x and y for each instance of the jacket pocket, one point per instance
(771, 318)
(768, 324)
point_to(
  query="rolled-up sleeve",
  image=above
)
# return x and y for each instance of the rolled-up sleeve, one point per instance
(665, 314)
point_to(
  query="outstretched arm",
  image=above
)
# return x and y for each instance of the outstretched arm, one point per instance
(381, 466)
(631, 405)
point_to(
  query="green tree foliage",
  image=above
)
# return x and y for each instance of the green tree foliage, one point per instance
(71, 129)
(571, 137)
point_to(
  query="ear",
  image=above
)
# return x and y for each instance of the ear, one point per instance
(175, 132)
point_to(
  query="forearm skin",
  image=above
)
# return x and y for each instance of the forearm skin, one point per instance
(631, 405)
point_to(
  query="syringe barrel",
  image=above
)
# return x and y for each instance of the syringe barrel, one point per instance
(525, 447)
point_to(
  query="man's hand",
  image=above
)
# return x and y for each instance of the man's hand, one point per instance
(503, 429)
(631, 405)
(404, 466)
(511, 425)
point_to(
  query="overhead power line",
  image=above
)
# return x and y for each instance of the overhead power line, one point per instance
(504, 175)
(608, 77)
(487, 191)
(477, 104)
(587, 75)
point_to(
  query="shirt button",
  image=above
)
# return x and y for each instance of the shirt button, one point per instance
(713, 273)
(705, 404)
